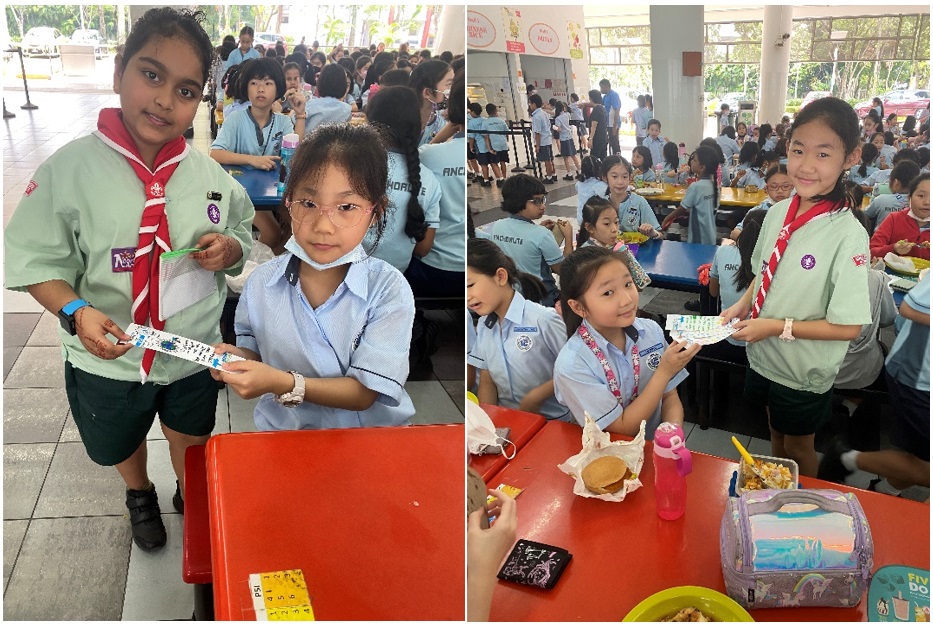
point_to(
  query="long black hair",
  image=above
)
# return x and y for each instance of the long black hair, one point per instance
(171, 23)
(749, 152)
(486, 258)
(710, 160)
(396, 108)
(647, 159)
(839, 116)
(577, 273)
(593, 208)
(671, 155)
(764, 133)
(869, 154)
(751, 228)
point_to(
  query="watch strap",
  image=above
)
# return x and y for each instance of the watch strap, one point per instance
(788, 334)
(71, 307)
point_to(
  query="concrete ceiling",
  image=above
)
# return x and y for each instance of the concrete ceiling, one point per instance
(628, 15)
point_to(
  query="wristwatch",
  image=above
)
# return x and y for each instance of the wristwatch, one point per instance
(295, 396)
(787, 335)
(66, 315)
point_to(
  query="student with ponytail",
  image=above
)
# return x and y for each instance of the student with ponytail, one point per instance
(858, 173)
(702, 198)
(811, 295)
(517, 339)
(414, 193)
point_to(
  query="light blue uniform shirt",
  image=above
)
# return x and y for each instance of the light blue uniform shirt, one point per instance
(540, 125)
(752, 176)
(884, 205)
(765, 205)
(326, 111)
(680, 178)
(240, 133)
(856, 177)
(576, 113)
(699, 201)
(909, 360)
(236, 57)
(726, 263)
(532, 247)
(448, 163)
(475, 128)
(362, 331)
(499, 142)
(519, 353)
(587, 189)
(395, 247)
(729, 147)
(640, 118)
(647, 176)
(580, 380)
(888, 152)
(657, 148)
(880, 176)
(770, 144)
(563, 123)
(233, 107)
(432, 129)
(635, 211)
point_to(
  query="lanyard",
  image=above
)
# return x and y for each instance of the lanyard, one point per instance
(611, 378)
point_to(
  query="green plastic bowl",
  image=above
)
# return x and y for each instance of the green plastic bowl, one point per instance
(667, 603)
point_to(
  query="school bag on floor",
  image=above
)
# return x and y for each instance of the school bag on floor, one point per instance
(786, 548)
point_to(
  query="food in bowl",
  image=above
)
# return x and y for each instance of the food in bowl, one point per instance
(689, 614)
(775, 471)
(751, 188)
(632, 237)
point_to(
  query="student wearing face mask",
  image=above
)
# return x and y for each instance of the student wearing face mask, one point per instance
(431, 80)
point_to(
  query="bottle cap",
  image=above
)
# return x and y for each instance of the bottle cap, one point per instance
(669, 443)
(290, 140)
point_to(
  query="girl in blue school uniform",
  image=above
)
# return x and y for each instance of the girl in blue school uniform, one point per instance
(588, 183)
(748, 160)
(756, 174)
(642, 164)
(616, 367)
(702, 198)
(325, 329)
(858, 173)
(517, 339)
(600, 224)
(672, 172)
(413, 213)
(635, 214)
(253, 136)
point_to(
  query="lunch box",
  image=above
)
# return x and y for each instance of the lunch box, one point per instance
(789, 548)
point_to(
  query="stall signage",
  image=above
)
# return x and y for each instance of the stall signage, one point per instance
(480, 30)
(543, 38)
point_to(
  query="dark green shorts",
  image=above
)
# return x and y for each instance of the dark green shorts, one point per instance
(793, 412)
(113, 416)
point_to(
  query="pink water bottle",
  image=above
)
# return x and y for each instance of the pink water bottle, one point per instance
(672, 463)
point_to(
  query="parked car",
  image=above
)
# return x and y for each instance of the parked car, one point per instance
(267, 39)
(89, 37)
(43, 41)
(901, 102)
(811, 96)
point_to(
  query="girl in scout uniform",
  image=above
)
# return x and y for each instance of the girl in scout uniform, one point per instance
(517, 339)
(635, 215)
(810, 297)
(616, 367)
(85, 241)
(325, 329)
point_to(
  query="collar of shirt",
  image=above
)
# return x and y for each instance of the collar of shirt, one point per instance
(632, 333)
(520, 218)
(355, 279)
(516, 309)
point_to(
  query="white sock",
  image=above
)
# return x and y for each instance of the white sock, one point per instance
(848, 460)
(884, 486)
(850, 406)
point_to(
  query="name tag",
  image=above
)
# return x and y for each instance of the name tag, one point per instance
(525, 329)
(648, 350)
(122, 259)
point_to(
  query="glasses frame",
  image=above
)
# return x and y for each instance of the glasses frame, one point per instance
(327, 210)
(783, 187)
(538, 201)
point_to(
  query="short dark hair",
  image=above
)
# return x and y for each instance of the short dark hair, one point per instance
(425, 54)
(264, 67)
(605, 83)
(595, 96)
(491, 109)
(169, 23)
(427, 74)
(291, 65)
(447, 56)
(248, 30)
(394, 78)
(486, 258)
(476, 108)
(905, 172)
(653, 122)
(536, 100)
(332, 81)
(517, 190)
(320, 56)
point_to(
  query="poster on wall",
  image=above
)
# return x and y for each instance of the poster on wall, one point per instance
(481, 32)
(511, 20)
(543, 38)
(574, 30)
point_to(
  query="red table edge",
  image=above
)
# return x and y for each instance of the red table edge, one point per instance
(196, 521)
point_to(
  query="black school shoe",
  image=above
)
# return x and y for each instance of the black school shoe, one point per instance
(548, 180)
(146, 518)
(831, 467)
(177, 500)
(500, 182)
(693, 305)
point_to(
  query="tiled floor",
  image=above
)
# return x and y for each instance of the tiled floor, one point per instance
(67, 549)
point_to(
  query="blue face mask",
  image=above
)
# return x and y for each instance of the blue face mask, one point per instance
(354, 255)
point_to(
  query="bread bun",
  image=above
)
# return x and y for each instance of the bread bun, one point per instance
(605, 475)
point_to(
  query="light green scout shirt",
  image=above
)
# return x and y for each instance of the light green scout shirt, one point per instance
(822, 275)
(79, 222)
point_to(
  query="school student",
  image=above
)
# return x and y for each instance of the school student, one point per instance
(530, 245)
(480, 143)
(91, 257)
(779, 187)
(245, 51)
(615, 367)
(654, 141)
(541, 138)
(350, 371)
(906, 232)
(701, 200)
(642, 164)
(589, 183)
(600, 223)
(567, 149)
(796, 343)
(635, 215)
(431, 80)
(498, 142)
(517, 339)
(858, 173)
(329, 107)
(899, 184)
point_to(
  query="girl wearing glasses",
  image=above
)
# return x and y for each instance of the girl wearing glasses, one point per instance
(431, 80)
(325, 329)
(779, 187)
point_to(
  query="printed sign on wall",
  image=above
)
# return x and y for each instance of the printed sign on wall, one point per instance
(543, 38)
(511, 20)
(574, 31)
(481, 32)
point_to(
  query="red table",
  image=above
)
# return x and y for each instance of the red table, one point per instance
(524, 426)
(623, 552)
(373, 517)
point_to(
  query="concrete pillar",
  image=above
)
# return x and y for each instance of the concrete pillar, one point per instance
(678, 99)
(450, 30)
(519, 89)
(775, 62)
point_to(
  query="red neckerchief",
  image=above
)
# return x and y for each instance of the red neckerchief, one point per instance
(153, 230)
(791, 225)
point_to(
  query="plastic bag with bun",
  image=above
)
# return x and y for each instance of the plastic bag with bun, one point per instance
(603, 477)
(481, 433)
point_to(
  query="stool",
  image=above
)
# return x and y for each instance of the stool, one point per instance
(196, 551)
